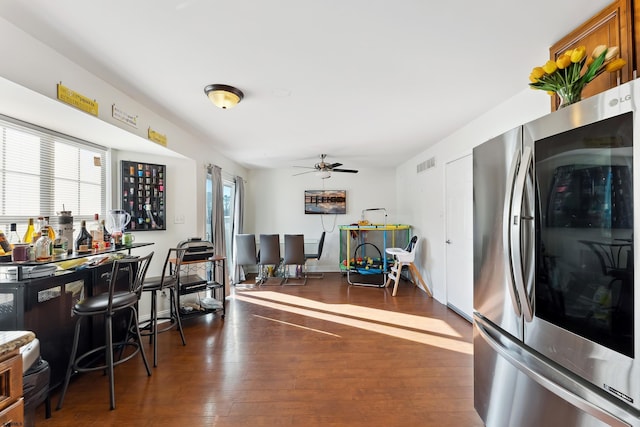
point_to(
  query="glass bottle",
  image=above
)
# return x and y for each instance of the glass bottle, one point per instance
(96, 231)
(105, 233)
(4, 243)
(39, 224)
(44, 246)
(84, 239)
(52, 233)
(13, 234)
(28, 235)
(61, 244)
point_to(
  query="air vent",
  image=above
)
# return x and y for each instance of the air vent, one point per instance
(427, 164)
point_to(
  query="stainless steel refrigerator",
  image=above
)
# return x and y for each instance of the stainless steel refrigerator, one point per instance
(556, 315)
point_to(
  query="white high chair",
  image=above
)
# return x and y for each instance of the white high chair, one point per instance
(405, 257)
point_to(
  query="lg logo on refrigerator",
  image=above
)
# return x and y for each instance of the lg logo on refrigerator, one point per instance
(617, 101)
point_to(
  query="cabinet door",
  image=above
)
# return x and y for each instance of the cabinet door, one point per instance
(611, 27)
(636, 38)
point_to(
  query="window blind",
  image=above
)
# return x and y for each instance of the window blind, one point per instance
(43, 172)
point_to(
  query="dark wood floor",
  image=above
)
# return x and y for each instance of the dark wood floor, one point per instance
(326, 354)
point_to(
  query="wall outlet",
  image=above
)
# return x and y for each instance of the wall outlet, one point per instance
(179, 219)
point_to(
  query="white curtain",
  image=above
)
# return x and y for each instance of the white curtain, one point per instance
(217, 216)
(237, 272)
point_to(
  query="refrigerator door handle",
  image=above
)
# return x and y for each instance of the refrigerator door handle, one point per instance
(515, 236)
(506, 221)
(551, 378)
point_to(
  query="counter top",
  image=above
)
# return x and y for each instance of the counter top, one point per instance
(11, 340)
(74, 255)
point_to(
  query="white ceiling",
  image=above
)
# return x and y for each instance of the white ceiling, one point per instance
(369, 82)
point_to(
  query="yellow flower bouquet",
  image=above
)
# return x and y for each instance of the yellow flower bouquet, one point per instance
(563, 76)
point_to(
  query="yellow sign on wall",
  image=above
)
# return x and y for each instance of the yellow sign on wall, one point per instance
(77, 100)
(157, 137)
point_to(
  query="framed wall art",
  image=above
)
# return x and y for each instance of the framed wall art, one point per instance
(325, 201)
(143, 195)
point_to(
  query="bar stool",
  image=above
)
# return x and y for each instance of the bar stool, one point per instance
(108, 305)
(167, 282)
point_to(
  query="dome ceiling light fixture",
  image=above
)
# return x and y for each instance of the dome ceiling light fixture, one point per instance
(223, 96)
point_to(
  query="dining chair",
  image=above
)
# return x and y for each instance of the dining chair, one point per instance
(167, 282)
(269, 256)
(315, 256)
(245, 248)
(107, 305)
(294, 255)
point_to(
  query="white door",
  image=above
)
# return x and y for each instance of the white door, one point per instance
(459, 235)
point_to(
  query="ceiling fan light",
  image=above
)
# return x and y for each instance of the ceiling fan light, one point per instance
(223, 96)
(323, 174)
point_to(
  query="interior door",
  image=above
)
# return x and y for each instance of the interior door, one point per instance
(459, 235)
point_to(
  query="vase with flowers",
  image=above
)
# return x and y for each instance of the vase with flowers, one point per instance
(572, 71)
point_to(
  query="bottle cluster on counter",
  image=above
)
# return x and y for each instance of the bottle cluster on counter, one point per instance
(41, 242)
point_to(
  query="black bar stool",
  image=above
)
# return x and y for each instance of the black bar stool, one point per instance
(167, 282)
(107, 305)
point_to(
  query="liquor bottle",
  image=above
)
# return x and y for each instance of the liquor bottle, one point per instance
(39, 224)
(4, 243)
(96, 231)
(84, 238)
(52, 233)
(105, 233)
(13, 235)
(61, 244)
(28, 235)
(44, 246)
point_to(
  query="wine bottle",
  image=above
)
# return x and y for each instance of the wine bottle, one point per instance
(28, 235)
(13, 235)
(84, 239)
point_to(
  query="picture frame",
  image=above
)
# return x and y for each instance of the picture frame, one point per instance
(143, 190)
(325, 202)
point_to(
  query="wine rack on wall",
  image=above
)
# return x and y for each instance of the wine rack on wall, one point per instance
(143, 195)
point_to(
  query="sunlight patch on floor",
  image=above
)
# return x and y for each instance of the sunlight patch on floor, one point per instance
(296, 325)
(434, 333)
(404, 320)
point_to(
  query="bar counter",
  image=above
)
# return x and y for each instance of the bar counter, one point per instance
(43, 304)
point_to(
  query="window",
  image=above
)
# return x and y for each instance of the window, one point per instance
(228, 191)
(43, 172)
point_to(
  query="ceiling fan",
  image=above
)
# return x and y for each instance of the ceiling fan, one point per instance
(324, 169)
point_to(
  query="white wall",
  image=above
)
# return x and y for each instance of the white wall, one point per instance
(420, 197)
(275, 204)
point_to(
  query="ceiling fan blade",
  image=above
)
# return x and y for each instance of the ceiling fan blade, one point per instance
(304, 167)
(334, 165)
(302, 173)
(345, 170)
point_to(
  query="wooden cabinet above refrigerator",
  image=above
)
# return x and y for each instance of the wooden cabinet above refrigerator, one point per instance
(613, 26)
